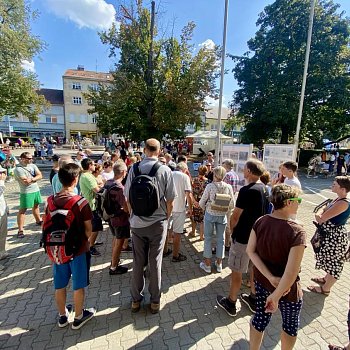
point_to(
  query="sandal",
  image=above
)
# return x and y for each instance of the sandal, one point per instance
(319, 280)
(20, 234)
(314, 289)
(336, 347)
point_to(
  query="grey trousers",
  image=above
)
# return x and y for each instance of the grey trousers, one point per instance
(148, 245)
(3, 233)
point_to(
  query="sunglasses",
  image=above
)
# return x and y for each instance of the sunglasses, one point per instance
(297, 199)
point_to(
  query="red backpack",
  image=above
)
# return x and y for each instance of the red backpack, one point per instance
(58, 237)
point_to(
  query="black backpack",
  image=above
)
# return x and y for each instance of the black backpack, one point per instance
(106, 208)
(144, 192)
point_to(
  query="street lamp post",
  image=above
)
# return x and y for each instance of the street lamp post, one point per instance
(306, 66)
(223, 54)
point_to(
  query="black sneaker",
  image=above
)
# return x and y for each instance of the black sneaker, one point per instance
(249, 301)
(227, 305)
(88, 314)
(94, 251)
(179, 258)
(63, 320)
(118, 271)
(167, 253)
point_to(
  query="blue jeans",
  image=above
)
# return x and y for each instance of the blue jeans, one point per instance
(219, 223)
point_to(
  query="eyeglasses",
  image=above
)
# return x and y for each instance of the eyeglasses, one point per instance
(27, 158)
(295, 199)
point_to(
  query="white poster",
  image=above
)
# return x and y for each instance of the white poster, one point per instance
(239, 153)
(274, 155)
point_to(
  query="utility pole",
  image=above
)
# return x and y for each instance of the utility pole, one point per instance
(149, 75)
(306, 66)
(223, 54)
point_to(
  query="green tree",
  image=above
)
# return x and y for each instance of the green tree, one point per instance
(159, 84)
(269, 75)
(18, 86)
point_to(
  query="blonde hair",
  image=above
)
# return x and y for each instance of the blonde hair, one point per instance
(219, 172)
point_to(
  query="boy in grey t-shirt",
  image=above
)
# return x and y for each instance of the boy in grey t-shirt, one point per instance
(27, 175)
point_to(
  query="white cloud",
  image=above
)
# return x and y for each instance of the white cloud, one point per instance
(94, 14)
(209, 44)
(29, 66)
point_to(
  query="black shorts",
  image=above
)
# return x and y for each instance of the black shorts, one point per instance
(120, 232)
(96, 222)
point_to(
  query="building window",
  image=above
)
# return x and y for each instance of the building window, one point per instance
(77, 100)
(94, 119)
(76, 86)
(94, 87)
(51, 119)
(213, 127)
(83, 118)
(72, 118)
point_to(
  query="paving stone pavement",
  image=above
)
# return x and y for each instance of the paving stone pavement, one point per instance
(189, 317)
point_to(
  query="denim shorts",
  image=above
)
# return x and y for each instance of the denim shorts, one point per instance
(78, 268)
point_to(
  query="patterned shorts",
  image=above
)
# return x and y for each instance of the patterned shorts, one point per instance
(290, 312)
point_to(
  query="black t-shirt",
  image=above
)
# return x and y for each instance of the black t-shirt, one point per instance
(253, 200)
(52, 174)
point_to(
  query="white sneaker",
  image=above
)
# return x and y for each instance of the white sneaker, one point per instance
(204, 267)
(218, 267)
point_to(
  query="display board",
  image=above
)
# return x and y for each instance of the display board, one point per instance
(274, 155)
(239, 153)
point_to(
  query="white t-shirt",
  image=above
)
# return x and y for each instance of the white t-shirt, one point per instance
(107, 176)
(182, 184)
(293, 182)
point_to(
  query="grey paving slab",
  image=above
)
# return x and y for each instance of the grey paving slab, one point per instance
(189, 317)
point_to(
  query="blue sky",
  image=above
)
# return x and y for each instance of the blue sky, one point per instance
(69, 28)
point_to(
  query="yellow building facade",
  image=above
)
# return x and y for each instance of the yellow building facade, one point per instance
(76, 82)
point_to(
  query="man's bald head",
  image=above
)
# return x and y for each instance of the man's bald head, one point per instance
(152, 147)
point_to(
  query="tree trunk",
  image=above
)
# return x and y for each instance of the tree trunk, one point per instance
(285, 135)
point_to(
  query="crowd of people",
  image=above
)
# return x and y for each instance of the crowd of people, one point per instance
(150, 195)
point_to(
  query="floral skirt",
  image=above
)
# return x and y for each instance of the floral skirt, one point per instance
(197, 215)
(331, 257)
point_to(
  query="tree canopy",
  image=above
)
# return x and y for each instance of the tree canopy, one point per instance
(18, 86)
(159, 83)
(270, 74)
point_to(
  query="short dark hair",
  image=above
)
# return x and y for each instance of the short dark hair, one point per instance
(181, 158)
(68, 173)
(290, 165)
(265, 178)
(86, 162)
(343, 182)
(255, 167)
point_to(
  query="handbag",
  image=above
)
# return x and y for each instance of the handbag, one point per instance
(318, 237)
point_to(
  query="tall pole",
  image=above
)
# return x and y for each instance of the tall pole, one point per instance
(223, 54)
(306, 66)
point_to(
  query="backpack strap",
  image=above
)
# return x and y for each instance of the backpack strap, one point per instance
(136, 169)
(68, 205)
(155, 168)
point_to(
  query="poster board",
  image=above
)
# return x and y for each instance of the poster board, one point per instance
(239, 153)
(274, 155)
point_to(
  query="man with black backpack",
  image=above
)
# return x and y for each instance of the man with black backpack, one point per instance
(66, 230)
(115, 205)
(150, 193)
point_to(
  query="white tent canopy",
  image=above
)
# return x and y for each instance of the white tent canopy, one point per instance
(202, 134)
